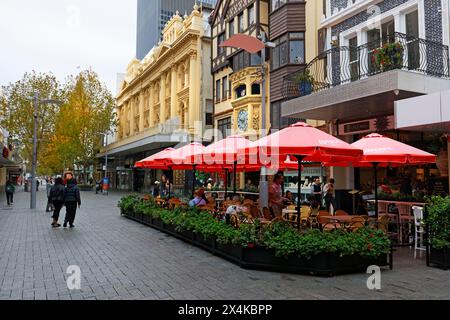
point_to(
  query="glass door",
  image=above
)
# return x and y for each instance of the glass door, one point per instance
(373, 42)
(354, 59)
(412, 39)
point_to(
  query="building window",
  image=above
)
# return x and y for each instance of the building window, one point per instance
(256, 89)
(209, 112)
(251, 15)
(276, 4)
(243, 60)
(290, 49)
(241, 91)
(224, 88)
(229, 88)
(231, 28)
(297, 48)
(241, 23)
(224, 127)
(220, 40)
(218, 90)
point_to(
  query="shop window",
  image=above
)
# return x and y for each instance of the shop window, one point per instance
(241, 91)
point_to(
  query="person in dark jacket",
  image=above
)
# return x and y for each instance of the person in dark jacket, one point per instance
(56, 197)
(71, 200)
(10, 189)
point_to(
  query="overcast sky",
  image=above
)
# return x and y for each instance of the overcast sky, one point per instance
(61, 36)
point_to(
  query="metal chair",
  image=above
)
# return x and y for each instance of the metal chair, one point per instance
(419, 230)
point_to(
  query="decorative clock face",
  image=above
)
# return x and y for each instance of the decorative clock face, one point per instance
(243, 120)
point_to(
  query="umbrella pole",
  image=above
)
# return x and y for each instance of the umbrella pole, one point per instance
(171, 174)
(234, 179)
(226, 184)
(375, 177)
(193, 182)
(299, 189)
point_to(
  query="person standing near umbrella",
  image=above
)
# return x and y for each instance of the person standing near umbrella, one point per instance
(316, 190)
(328, 192)
(276, 200)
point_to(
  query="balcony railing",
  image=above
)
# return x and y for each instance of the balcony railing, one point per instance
(343, 65)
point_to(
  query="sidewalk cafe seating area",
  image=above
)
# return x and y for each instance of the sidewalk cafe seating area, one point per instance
(302, 239)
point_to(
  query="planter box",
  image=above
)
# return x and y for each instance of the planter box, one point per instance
(229, 251)
(186, 235)
(147, 219)
(139, 217)
(440, 258)
(206, 243)
(158, 223)
(169, 228)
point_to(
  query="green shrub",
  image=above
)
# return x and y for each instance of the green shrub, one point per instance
(438, 222)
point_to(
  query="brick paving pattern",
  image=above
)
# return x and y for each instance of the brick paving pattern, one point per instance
(121, 259)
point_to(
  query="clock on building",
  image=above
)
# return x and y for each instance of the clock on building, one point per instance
(243, 120)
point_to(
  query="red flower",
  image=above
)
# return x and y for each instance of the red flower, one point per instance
(369, 247)
(251, 245)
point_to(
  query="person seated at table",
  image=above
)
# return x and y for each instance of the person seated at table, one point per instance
(384, 187)
(288, 198)
(276, 200)
(199, 199)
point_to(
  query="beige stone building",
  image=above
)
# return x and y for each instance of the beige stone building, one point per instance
(165, 99)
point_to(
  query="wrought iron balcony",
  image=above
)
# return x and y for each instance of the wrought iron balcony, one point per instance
(342, 65)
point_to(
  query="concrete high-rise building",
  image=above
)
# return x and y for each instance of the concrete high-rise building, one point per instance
(152, 16)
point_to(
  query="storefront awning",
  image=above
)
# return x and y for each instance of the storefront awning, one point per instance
(425, 113)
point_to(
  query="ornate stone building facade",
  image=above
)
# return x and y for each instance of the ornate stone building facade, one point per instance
(165, 99)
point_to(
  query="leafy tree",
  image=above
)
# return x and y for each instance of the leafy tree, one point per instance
(81, 122)
(16, 112)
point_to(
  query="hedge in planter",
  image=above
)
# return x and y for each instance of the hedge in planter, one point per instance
(438, 223)
(280, 242)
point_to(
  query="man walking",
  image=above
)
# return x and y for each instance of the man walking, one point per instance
(10, 189)
(72, 199)
(56, 197)
(328, 192)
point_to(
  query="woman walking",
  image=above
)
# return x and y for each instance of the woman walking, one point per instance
(56, 197)
(71, 200)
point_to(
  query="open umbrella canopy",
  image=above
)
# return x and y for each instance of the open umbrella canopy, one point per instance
(156, 161)
(303, 140)
(243, 41)
(186, 157)
(378, 148)
(386, 152)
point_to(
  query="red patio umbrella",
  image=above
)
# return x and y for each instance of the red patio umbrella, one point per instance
(156, 161)
(306, 143)
(227, 154)
(381, 151)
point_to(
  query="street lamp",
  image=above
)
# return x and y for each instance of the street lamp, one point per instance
(106, 159)
(254, 45)
(36, 103)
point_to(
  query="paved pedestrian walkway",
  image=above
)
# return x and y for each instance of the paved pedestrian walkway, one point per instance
(121, 259)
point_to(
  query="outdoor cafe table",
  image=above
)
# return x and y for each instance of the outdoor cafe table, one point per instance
(344, 220)
(403, 216)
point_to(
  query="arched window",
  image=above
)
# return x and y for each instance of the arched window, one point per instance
(256, 89)
(241, 91)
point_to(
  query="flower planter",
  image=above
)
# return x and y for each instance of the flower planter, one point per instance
(440, 258)
(229, 252)
(139, 217)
